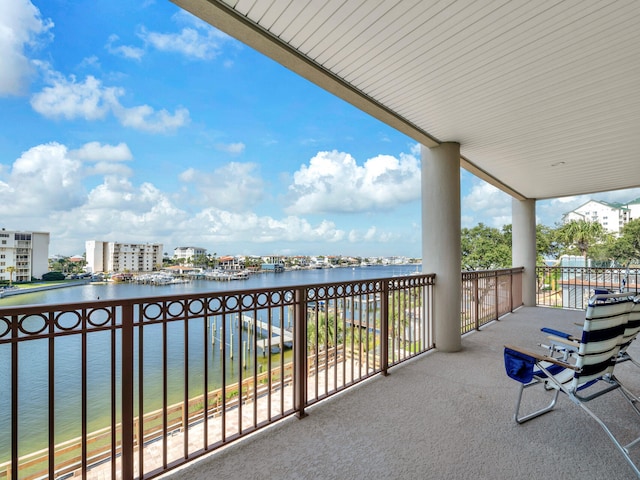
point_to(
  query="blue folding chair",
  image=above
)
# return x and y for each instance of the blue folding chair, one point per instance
(585, 373)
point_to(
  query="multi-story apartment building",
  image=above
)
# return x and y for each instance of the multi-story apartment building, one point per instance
(123, 257)
(188, 253)
(26, 252)
(612, 216)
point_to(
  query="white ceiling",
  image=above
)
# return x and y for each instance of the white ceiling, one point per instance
(543, 96)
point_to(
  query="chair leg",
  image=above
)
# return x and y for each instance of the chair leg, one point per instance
(624, 450)
(537, 413)
(630, 397)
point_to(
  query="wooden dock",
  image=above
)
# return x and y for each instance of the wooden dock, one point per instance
(278, 335)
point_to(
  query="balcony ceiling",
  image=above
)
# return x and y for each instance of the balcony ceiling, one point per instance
(543, 96)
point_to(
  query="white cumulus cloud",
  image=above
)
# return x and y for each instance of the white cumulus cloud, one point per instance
(43, 179)
(233, 148)
(90, 99)
(95, 151)
(47, 189)
(70, 99)
(147, 119)
(334, 182)
(51, 178)
(235, 186)
(118, 210)
(196, 40)
(201, 41)
(222, 226)
(372, 235)
(21, 28)
(126, 51)
(494, 206)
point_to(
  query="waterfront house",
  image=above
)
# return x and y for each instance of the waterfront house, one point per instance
(229, 262)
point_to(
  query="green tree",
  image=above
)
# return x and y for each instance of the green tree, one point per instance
(626, 249)
(605, 253)
(485, 248)
(252, 262)
(547, 245)
(51, 276)
(324, 332)
(404, 307)
(10, 270)
(200, 261)
(213, 260)
(61, 264)
(581, 235)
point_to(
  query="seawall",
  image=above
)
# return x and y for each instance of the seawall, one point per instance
(40, 288)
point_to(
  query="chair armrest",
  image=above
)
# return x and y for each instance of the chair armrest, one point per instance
(544, 358)
(569, 342)
(558, 333)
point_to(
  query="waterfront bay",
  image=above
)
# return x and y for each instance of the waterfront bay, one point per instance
(33, 355)
(109, 291)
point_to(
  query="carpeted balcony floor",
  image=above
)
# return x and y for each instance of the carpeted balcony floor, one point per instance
(444, 415)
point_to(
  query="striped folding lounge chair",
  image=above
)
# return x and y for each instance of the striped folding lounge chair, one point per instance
(564, 344)
(584, 375)
(630, 333)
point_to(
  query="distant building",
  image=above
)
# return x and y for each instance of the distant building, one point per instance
(188, 253)
(26, 252)
(229, 262)
(122, 257)
(612, 216)
(634, 209)
(273, 263)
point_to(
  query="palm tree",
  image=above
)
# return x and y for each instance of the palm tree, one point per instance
(582, 234)
(10, 270)
(324, 336)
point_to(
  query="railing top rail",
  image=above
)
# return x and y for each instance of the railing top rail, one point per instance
(572, 267)
(468, 274)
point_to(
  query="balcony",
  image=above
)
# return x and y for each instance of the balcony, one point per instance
(438, 416)
(211, 371)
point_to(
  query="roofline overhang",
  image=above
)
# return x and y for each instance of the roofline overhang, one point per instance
(229, 21)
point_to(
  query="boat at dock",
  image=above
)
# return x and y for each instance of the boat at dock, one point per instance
(225, 275)
(159, 279)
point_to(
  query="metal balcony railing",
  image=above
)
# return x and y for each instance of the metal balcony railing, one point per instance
(489, 294)
(133, 388)
(571, 287)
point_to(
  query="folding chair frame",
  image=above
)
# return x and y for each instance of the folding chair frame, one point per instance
(577, 380)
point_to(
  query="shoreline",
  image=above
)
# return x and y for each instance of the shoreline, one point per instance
(40, 288)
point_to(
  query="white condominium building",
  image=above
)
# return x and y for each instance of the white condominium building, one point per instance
(612, 216)
(187, 253)
(26, 252)
(123, 257)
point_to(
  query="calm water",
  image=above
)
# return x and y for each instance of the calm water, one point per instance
(33, 355)
(114, 291)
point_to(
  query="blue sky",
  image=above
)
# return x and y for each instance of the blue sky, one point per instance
(136, 122)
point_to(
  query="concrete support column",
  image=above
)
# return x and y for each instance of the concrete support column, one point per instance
(441, 239)
(523, 213)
